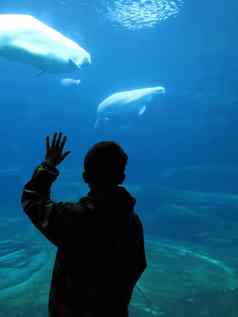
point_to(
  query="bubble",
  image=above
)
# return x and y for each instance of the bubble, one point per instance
(140, 14)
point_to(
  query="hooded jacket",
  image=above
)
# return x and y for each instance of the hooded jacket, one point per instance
(100, 247)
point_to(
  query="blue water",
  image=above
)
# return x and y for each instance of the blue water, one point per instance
(183, 158)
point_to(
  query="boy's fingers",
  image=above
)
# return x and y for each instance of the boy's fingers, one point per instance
(54, 139)
(63, 143)
(64, 155)
(47, 143)
(58, 140)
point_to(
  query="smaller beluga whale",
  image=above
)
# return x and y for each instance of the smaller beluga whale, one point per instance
(126, 103)
(25, 39)
(68, 82)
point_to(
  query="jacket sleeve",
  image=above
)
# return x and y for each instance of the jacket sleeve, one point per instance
(56, 221)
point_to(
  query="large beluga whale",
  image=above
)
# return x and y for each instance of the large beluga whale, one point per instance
(126, 102)
(25, 39)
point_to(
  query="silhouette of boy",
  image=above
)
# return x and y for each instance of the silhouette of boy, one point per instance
(99, 240)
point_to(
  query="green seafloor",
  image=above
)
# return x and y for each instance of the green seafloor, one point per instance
(191, 247)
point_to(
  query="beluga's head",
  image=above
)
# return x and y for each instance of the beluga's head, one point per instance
(83, 59)
(157, 90)
(148, 94)
(77, 61)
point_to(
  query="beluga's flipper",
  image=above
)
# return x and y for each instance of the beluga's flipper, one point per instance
(142, 110)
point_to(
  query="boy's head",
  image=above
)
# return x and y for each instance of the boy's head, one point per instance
(104, 165)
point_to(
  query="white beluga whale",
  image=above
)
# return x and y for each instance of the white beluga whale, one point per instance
(67, 82)
(25, 39)
(126, 102)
